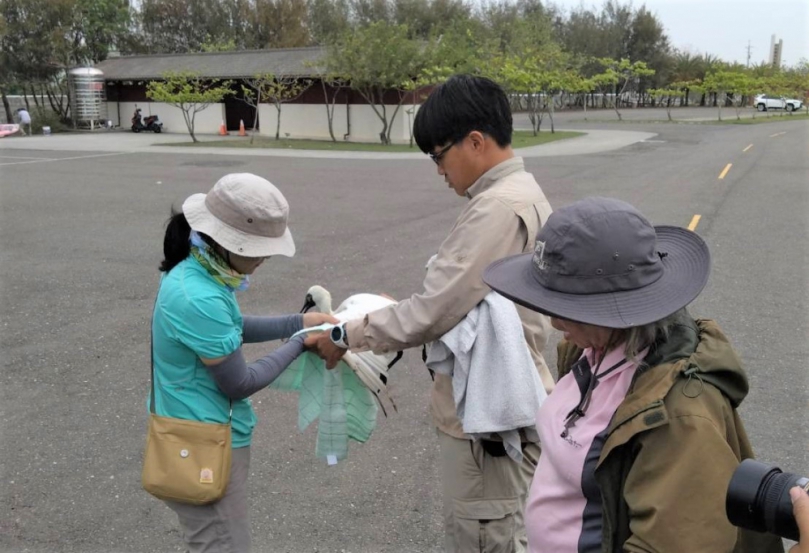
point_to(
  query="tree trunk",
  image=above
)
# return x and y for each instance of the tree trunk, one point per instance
(329, 110)
(402, 98)
(370, 96)
(550, 115)
(278, 121)
(255, 119)
(189, 122)
(384, 134)
(33, 93)
(7, 107)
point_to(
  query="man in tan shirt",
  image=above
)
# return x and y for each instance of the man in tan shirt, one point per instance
(465, 126)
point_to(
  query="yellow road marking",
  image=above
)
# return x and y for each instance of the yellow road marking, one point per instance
(725, 170)
(694, 222)
(750, 146)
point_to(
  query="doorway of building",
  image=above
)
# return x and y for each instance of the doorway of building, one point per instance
(236, 110)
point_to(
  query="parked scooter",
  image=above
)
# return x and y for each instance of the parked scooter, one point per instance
(151, 123)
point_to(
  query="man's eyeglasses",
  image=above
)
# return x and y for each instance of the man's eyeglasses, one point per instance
(439, 155)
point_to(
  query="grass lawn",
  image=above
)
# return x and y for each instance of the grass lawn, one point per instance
(521, 139)
(761, 118)
(728, 118)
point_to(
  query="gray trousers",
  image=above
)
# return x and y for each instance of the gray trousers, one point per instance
(484, 497)
(224, 526)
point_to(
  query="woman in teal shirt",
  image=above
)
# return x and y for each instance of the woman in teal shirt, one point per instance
(211, 247)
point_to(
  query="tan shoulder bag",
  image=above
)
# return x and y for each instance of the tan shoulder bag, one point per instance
(185, 461)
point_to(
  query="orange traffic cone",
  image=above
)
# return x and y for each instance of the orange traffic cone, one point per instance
(241, 128)
(222, 130)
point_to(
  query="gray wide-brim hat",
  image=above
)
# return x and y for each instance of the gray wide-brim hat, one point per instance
(245, 214)
(599, 261)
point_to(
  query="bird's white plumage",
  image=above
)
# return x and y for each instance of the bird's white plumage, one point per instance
(367, 365)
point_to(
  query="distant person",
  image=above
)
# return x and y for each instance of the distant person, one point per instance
(641, 435)
(25, 119)
(211, 248)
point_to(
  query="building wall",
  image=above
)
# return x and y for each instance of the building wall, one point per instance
(309, 121)
(206, 121)
(298, 121)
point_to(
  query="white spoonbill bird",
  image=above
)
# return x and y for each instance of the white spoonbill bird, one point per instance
(370, 368)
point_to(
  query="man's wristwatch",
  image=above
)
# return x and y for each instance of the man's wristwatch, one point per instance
(339, 336)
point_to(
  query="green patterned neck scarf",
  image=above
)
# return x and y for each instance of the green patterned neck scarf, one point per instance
(216, 266)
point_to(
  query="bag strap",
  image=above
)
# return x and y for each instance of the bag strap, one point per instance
(151, 355)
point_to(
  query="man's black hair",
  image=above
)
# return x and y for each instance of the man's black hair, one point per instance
(463, 104)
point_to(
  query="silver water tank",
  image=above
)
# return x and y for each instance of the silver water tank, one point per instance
(87, 96)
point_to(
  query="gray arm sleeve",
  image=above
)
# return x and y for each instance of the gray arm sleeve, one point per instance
(238, 380)
(264, 329)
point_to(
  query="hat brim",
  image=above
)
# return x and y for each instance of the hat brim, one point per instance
(685, 272)
(235, 241)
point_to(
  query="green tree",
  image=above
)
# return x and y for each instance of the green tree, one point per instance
(464, 47)
(686, 68)
(578, 84)
(328, 20)
(534, 75)
(377, 59)
(227, 46)
(332, 85)
(426, 18)
(279, 24)
(188, 92)
(96, 27)
(43, 38)
(276, 89)
(368, 12)
(181, 26)
(707, 64)
(736, 86)
(797, 81)
(647, 41)
(621, 75)
(669, 94)
(513, 27)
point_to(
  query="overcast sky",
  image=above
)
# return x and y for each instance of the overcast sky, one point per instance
(723, 28)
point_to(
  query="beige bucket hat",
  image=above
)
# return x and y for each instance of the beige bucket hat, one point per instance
(245, 214)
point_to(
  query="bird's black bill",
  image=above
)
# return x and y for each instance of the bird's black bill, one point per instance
(309, 304)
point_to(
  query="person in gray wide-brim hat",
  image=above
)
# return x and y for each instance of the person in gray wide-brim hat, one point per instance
(599, 261)
(640, 436)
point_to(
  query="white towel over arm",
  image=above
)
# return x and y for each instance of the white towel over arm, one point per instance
(495, 382)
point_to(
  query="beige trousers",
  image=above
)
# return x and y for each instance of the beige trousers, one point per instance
(484, 497)
(224, 526)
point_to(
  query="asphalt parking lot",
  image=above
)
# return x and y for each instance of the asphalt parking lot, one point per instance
(82, 234)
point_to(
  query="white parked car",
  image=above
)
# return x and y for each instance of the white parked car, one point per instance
(763, 102)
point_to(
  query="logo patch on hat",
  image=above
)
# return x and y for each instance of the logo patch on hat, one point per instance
(539, 256)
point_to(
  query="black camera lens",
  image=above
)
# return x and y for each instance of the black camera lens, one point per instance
(758, 499)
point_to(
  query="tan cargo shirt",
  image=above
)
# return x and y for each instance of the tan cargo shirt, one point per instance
(505, 211)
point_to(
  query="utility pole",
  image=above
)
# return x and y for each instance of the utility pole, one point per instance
(749, 52)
